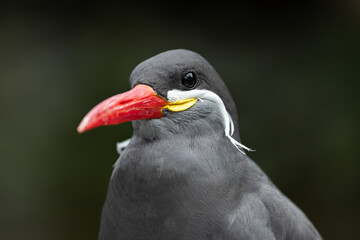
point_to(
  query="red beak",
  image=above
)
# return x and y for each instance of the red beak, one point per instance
(141, 102)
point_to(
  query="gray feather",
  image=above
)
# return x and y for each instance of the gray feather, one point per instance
(180, 177)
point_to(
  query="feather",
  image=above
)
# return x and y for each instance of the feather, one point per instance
(201, 94)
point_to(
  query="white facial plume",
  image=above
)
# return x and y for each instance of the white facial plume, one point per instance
(201, 95)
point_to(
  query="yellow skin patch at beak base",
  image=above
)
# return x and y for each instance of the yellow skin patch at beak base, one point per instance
(181, 105)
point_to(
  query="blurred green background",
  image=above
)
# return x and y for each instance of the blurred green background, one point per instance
(292, 68)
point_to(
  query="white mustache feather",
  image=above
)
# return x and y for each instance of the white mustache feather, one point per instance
(202, 95)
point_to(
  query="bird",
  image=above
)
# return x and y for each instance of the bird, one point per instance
(185, 174)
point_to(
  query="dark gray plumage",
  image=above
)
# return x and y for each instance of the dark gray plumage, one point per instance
(181, 178)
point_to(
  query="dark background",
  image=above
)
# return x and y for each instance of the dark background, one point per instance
(293, 70)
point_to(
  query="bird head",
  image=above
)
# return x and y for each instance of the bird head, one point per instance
(176, 91)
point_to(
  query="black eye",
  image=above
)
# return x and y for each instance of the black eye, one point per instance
(189, 80)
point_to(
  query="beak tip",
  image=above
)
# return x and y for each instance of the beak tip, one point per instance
(83, 126)
(80, 129)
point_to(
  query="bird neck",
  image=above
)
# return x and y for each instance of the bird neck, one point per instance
(162, 167)
(159, 182)
(175, 128)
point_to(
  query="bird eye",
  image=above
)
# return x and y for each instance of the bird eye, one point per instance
(189, 80)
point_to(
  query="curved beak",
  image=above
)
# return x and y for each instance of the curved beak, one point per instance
(141, 102)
